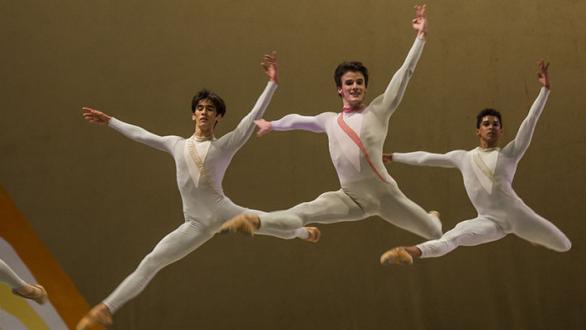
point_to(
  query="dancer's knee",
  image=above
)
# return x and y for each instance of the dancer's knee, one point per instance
(150, 264)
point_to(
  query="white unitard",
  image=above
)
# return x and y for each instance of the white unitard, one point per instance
(7, 275)
(200, 167)
(363, 193)
(488, 176)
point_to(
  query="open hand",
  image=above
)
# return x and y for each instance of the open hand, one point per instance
(542, 74)
(94, 116)
(269, 64)
(420, 21)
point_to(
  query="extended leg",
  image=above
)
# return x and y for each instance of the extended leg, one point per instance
(310, 234)
(466, 233)
(330, 207)
(534, 228)
(7, 275)
(402, 212)
(176, 245)
(20, 287)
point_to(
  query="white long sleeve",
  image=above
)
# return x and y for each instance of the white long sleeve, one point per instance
(316, 124)
(238, 137)
(139, 134)
(387, 103)
(422, 158)
(519, 145)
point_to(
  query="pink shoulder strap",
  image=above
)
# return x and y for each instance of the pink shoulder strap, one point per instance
(348, 130)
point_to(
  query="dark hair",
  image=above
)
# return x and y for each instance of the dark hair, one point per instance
(205, 94)
(488, 112)
(350, 66)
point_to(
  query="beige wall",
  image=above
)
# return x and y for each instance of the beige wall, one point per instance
(100, 202)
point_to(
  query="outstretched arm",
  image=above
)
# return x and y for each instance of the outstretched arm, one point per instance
(138, 134)
(315, 124)
(519, 145)
(422, 158)
(387, 103)
(242, 132)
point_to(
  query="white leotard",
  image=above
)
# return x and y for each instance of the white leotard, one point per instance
(363, 193)
(488, 177)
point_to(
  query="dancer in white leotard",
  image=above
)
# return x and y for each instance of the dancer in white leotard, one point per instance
(488, 173)
(356, 136)
(201, 162)
(20, 287)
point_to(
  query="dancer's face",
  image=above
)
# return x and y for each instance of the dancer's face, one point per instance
(205, 115)
(490, 130)
(353, 89)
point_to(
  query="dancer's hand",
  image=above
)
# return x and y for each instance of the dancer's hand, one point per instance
(264, 127)
(387, 158)
(420, 21)
(94, 116)
(542, 74)
(269, 64)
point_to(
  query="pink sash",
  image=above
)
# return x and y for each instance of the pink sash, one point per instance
(348, 130)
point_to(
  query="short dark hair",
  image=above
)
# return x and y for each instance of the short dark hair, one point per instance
(488, 112)
(354, 66)
(205, 94)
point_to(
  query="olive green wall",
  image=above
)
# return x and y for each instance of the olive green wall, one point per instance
(100, 202)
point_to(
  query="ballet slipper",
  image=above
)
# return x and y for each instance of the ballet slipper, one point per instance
(243, 223)
(34, 292)
(397, 255)
(99, 315)
(314, 234)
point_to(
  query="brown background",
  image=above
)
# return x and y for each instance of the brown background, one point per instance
(100, 202)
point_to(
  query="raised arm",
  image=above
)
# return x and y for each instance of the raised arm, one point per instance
(422, 158)
(138, 134)
(519, 145)
(243, 131)
(387, 103)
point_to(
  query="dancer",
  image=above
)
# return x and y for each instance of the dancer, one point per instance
(356, 136)
(20, 287)
(201, 162)
(488, 173)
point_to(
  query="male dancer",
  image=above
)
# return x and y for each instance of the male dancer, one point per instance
(201, 162)
(20, 287)
(488, 173)
(356, 136)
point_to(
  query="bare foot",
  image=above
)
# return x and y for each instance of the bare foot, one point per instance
(32, 291)
(99, 315)
(243, 223)
(313, 234)
(398, 255)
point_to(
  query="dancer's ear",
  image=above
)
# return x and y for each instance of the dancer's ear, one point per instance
(218, 119)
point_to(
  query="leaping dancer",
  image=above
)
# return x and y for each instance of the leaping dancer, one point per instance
(488, 173)
(201, 162)
(356, 136)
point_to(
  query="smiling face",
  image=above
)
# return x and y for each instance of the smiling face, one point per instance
(352, 89)
(489, 131)
(205, 115)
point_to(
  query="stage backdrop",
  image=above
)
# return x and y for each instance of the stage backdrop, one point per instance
(100, 202)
